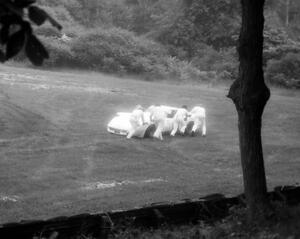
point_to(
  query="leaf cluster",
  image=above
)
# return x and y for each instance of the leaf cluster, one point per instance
(16, 33)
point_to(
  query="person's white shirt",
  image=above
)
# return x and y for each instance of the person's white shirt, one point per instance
(198, 117)
(156, 113)
(157, 117)
(136, 120)
(137, 116)
(179, 121)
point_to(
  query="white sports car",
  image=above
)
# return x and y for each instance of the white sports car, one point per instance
(120, 125)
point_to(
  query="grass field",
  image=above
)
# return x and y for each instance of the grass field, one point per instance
(56, 157)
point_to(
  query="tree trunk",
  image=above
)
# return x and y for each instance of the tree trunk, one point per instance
(250, 95)
(287, 13)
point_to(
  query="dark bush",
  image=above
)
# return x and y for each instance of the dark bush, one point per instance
(285, 71)
(223, 62)
(61, 54)
(116, 50)
(120, 51)
(280, 51)
(47, 31)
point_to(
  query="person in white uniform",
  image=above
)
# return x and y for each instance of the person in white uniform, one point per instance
(157, 116)
(180, 120)
(198, 116)
(136, 120)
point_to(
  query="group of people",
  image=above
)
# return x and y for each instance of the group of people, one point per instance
(168, 120)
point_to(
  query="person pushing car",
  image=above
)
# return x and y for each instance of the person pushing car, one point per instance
(136, 120)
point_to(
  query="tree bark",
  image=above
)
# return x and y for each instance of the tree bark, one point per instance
(250, 95)
(287, 13)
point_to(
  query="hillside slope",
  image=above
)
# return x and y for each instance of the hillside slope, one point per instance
(57, 158)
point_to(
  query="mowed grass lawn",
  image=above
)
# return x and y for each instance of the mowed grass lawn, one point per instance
(56, 157)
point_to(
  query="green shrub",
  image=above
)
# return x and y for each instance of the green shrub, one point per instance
(223, 62)
(60, 53)
(47, 30)
(206, 58)
(116, 50)
(278, 52)
(183, 70)
(113, 49)
(60, 14)
(285, 71)
(229, 63)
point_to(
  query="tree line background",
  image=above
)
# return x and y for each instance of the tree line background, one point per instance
(181, 40)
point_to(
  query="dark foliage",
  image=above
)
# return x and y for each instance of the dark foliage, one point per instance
(285, 71)
(16, 33)
(199, 35)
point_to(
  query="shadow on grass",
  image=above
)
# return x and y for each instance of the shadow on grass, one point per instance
(284, 224)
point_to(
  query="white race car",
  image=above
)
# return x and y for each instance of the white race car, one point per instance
(120, 125)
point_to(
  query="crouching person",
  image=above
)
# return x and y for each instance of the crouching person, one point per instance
(136, 120)
(180, 121)
(157, 117)
(198, 116)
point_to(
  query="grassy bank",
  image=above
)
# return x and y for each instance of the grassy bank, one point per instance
(56, 154)
(284, 225)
